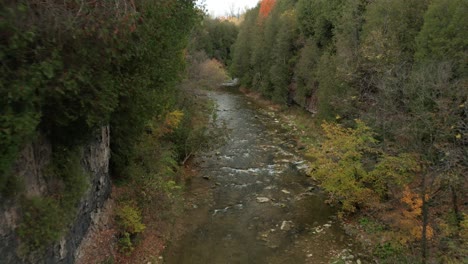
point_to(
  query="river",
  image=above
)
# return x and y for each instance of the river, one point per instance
(250, 200)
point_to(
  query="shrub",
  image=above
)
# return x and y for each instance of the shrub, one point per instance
(125, 243)
(351, 168)
(42, 223)
(129, 219)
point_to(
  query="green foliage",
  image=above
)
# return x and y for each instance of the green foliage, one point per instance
(66, 71)
(215, 37)
(464, 228)
(18, 101)
(45, 218)
(390, 30)
(108, 260)
(317, 19)
(331, 94)
(125, 244)
(388, 252)
(386, 50)
(443, 36)
(306, 81)
(393, 252)
(284, 52)
(150, 171)
(370, 225)
(129, 219)
(73, 181)
(242, 48)
(339, 164)
(396, 170)
(151, 71)
(188, 139)
(42, 223)
(265, 52)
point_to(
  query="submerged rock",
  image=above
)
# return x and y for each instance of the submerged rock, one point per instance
(263, 199)
(286, 225)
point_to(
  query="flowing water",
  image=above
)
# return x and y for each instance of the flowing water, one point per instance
(251, 202)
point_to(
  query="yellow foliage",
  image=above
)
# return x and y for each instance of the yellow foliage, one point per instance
(416, 232)
(464, 228)
(393, 169)
(340, 166)
(173, 120)
(129, 219)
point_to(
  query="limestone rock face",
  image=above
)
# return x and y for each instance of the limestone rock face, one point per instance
(29, 166)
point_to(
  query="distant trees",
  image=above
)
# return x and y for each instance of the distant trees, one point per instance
(215, 37)
(242, 48)
(265, 51)
(400, 67)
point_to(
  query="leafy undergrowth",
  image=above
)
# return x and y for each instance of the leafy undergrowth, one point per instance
(106, 244)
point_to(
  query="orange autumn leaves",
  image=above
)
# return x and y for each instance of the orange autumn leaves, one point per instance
(265, 7)
(410, 219)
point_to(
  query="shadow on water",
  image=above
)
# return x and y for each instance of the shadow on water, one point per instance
(259, 206)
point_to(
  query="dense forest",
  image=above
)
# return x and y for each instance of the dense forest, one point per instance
(389, 81)
(70, 67)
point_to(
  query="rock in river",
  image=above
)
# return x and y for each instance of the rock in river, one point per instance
(286, 225)
(263, 199)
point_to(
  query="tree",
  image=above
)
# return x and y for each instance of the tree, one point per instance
(265, 7)
(436, 127)
(241, 66)
(284, 56)
(306, 77)
(443, 35)
(215, 37)
(386, 55)
(318, 19)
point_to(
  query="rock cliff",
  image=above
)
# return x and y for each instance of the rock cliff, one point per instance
(29, 167)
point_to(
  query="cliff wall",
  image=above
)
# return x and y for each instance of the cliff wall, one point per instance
(29, 167)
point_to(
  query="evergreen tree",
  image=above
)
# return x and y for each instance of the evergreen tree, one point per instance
(305, 76)
(443, 36)
(284, 57)
(241, 65)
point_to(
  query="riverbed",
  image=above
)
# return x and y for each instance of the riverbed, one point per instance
(251, 201)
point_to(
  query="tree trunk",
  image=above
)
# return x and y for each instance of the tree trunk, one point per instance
(455, 205)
